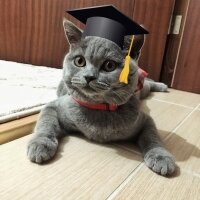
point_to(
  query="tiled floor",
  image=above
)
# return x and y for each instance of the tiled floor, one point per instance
(85, 170)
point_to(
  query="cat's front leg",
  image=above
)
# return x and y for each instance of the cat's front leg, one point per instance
(44, 144)
(155, 155)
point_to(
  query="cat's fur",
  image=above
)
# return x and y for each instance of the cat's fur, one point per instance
(64, 115)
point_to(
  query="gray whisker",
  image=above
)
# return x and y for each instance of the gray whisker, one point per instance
(99, 85)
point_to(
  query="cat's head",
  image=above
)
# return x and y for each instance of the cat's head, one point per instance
(93, 65)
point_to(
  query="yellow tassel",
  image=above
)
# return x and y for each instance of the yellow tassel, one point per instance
(125, 71)
(123, 78)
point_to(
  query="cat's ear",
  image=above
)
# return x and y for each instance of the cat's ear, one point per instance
(72, 32)
(137, 45)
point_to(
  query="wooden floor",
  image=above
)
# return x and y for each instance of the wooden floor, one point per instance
(84, 170)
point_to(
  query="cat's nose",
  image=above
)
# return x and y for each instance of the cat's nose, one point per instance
(89, 78)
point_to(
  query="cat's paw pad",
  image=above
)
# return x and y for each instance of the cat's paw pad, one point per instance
(41, 149)
(160, 161)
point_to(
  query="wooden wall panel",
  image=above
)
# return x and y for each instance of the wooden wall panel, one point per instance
(31, 30)
(155, 16)
(187, 74)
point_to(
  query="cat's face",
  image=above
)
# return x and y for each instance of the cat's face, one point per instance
(92, 69)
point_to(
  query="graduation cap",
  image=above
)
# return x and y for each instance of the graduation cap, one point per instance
(108, 22)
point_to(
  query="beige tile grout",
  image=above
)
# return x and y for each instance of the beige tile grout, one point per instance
(173, 103)
(125, 182)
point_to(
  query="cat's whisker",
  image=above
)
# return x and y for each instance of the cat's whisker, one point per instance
(76, 81)
(99, 86)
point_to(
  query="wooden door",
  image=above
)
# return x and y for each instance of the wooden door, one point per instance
(155, 15)
(187, 72)
(174, 42)
(182, 58)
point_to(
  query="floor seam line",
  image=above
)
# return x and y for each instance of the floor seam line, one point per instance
(180, 124)
(125, 182)
(173, 103)
(198, 107)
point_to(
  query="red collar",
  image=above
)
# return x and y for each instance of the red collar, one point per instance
(96, 106)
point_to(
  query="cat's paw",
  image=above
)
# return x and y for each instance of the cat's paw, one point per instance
(160, 87)
(163, 87)
(41, 149)
(160, 161)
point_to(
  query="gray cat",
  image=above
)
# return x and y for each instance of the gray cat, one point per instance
(91, 72)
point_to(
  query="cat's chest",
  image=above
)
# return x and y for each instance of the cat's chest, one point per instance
(105, 126)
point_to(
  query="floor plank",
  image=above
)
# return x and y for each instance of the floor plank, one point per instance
(184, 144)
(86, 170)
(148, 185)
(166, 116)
(81, 170)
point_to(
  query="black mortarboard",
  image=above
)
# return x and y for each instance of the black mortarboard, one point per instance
(107, 22)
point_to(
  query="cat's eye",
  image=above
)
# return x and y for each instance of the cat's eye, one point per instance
(79, 61)
(109, 66)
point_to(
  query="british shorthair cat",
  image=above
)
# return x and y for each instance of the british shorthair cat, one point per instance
(92, 101)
